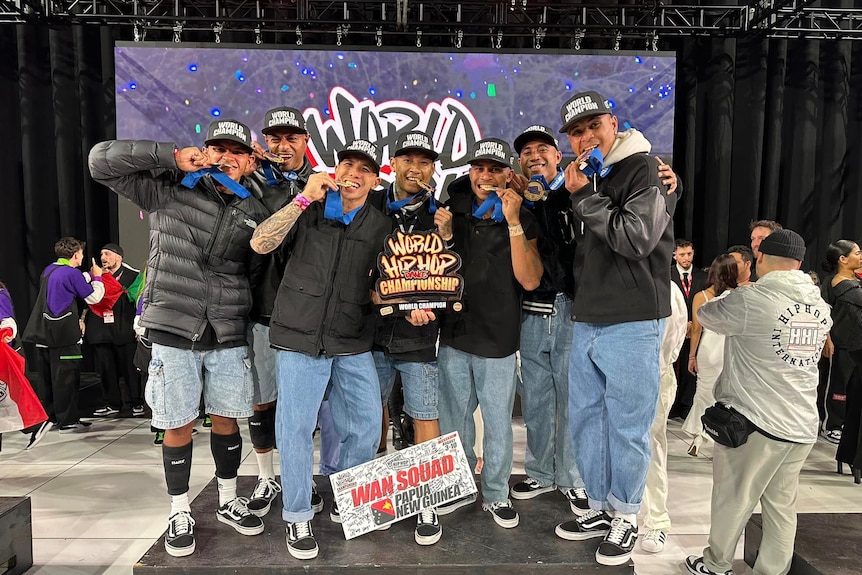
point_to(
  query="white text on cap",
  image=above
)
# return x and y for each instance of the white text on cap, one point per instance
(229, 129)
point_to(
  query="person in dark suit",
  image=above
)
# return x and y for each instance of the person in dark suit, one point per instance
(690, 280)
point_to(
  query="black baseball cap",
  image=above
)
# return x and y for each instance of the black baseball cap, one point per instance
(284, 118)
(583, 105)
(537, 132)
(415, 141)
(493, 149)
(364, 149)
(229, 130)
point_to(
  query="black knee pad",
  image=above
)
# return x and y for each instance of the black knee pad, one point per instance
(261, 428)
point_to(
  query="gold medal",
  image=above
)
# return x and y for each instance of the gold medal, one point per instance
(274, 158)
(535, 192)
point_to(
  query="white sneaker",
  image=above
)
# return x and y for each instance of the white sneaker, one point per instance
(653, 541)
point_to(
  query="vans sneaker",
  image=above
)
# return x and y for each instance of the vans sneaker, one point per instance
(180, 536)
(696, 566)
(618, 544)
(300, 540)
(578, 502)
(448, 508)
(428, 529)
(236, 514)
(40, 432)
(261, 498)
(587, 526)
(504, 514)
(334, 515)
(653, 541)
(106, 411)
(138, 411)
(316, 499)
(530, 488)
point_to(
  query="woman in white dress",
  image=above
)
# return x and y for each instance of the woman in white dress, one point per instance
(707, 349)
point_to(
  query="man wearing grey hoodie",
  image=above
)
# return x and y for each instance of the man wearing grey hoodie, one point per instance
(622, 295)
(775, 330)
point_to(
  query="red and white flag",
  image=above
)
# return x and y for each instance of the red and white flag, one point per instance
(19, 406)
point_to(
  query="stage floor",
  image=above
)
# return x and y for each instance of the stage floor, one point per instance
(472, 544)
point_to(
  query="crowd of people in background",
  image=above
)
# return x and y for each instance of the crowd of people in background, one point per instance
(257, 304)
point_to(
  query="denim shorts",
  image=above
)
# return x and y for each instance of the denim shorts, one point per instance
(262, 364)
(177, 377)
(420, 382)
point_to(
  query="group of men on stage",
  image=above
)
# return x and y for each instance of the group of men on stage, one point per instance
(577, 280)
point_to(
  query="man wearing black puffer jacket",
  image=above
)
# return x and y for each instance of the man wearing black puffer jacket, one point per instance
(622, 295)
(198, 297)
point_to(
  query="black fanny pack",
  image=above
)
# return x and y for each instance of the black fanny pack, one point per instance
(726, 425)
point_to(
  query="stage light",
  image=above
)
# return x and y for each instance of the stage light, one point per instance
(617, 38)
(298, 36)
(341, 32)
(538, 36)
(217, 29)
(576, 41)
(379, 35)
(418, 38)
(257, 36)
(139, 31)
(459, 38)
(178, 31)
(496, 41)
(655, 41)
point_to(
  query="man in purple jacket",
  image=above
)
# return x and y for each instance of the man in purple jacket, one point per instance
(55, 329)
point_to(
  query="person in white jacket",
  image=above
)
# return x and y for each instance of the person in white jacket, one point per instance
(775, 331)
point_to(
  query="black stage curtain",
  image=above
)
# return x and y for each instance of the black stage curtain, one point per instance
(764, 129)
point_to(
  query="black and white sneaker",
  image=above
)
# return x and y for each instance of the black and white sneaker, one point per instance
(79, 427)
(587, 526)
(300, 540)
(138, 411)
(578, 502)
(180, 536)
(428, 529)
(619, 542)
(334, 515)
(261, 498)
(236, 514)
(503, 513)
(106, 411)
(530, 488)
(316, 499)
(696, 566)
(41, 431)
(448, 508)
(653, 540)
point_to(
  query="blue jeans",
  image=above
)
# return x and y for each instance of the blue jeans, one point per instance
(613, 392)
(419, 380)
(329, 446)
(356, 413)
(468, 380)
(546, 342)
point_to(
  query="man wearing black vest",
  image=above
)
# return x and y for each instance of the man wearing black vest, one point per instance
(197, 300)
(322, 326)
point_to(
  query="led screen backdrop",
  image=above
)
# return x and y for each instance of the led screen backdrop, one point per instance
(171, 93)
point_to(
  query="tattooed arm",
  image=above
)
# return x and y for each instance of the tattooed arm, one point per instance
(271, 233)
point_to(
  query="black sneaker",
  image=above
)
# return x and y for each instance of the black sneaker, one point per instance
(160, 438)
(530, 488)
(428, 529)
(591, 524)
(696, 566)
(619, 542)
(236, 514)
(80, 427)
(38, 433)
(300, 540)
(316, 499)
(457, 504)
(578, 502)
(503, 513)
(333, 512)
(261, 498)
(208, 422)
(138, 411)
(180, 536)
(106, 411)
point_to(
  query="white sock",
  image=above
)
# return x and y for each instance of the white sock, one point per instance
(264, 465)
(630, 517)
(226, 490)
(180, 503)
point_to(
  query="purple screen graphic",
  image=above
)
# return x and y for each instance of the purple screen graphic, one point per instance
(171, 93)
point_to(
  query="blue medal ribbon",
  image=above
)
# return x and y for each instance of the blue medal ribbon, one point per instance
(333, 209)
(595, 165)
(269, 173)
(191, 179)
(493, 201)
(396, 205)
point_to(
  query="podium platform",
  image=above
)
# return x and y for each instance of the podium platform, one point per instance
(472, 544)
(826, 543)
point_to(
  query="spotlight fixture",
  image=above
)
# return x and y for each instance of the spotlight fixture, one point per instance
(217, 29)
(655, 41)
(298, 36)
(459, 38)
(257, 35)
(539, 36)
(139, 31)
(341, 32)
(576, 41)
(178, 31)
(418, 38)
(617, 38)
(379, 35)
(499, 39)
